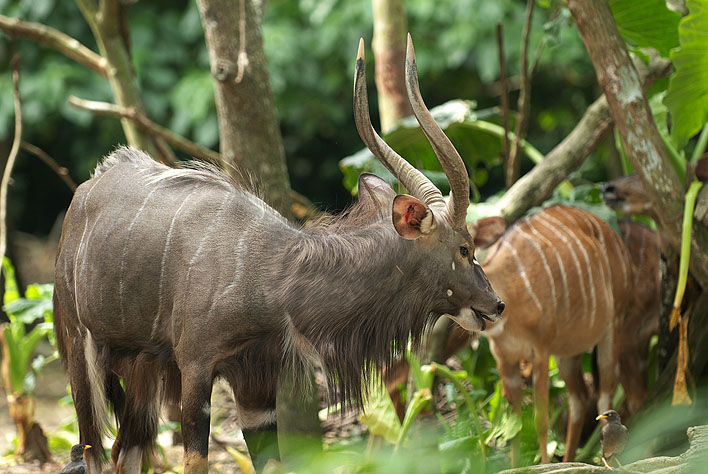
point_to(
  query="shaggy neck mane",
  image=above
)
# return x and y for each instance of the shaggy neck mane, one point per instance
(354, 297)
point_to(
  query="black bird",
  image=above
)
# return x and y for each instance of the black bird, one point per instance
(77, 465)
(614, 436)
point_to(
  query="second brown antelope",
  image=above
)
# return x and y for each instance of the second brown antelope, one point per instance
(169, 278)
(641, 321)
(627, 194)
(566, 277)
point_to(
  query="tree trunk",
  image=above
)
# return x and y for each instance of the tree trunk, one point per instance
(104, 20)
(635, 124)
(389, 45)
(248, 125)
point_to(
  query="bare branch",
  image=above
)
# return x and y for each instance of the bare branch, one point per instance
(56, 40)
(116, 111)
(513, 169)
(62, 172)
(15, 65)
(504, 83)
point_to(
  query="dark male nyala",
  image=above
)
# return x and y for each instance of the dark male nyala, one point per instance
(168, 278)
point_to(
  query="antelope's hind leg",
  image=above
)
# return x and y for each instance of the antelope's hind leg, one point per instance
(139, 417)
(571, 371)
(86, 377)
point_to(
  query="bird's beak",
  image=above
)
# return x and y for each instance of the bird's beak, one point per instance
(600, 417)
(88, 446)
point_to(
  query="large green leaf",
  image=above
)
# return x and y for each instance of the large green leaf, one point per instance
(687, 96)
(479, 143)
(380, 415)
(647, 23)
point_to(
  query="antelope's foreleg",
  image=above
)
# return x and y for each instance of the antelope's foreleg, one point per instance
(196, 412)
(540, 401)
(571, 371)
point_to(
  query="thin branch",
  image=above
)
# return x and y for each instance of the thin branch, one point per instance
(15, 65)
(56, 40)
(60, 171)
(302, 207)
(503, 82)
(524, 103)
(177, 141)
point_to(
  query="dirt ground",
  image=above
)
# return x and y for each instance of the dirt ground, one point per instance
(50, 414)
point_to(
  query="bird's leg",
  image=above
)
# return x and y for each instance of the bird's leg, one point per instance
(616, 459)
(604, 461)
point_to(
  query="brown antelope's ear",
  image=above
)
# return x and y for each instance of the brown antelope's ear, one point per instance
(486, 231)
(374, 189)
(411, 217)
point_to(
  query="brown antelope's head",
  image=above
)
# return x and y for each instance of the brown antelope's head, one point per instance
(435, 228)
(627, 194)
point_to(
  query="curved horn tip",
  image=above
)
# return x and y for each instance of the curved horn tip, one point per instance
(410, 51)
(360, 53)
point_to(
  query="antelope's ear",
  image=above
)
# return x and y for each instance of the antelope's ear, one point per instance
(411, 217)
(374, 190)
(486, 231)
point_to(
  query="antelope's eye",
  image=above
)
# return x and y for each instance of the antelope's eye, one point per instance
(465, 251)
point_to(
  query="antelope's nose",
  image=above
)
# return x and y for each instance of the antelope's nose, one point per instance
(608, 188)
(500, 307)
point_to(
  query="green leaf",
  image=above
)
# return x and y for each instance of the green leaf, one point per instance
(420, 400)
(687, 96)
(647, 23)
(28, 310)
(508, 427)
(459, 121)
(380, 415)
(11, 290)
(40, 292)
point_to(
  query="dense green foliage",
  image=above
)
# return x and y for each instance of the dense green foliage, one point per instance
(310, 47)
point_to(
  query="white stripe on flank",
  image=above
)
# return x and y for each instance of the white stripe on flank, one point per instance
(593, 297)
(208, 232)
(561, 264)
(241, 246)
(540, 252)
(124, 255)
(522, 272)
(542, 218)
(163, 264)
(607, 269)
(81, 243)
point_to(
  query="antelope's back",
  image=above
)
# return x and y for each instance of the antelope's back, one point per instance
(560, 270)
(143, 245)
